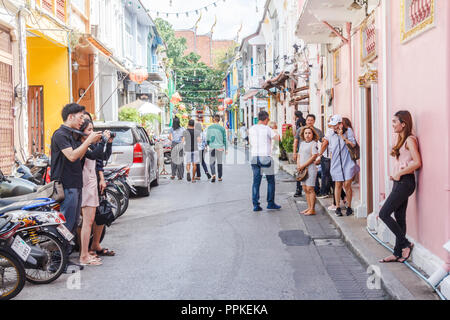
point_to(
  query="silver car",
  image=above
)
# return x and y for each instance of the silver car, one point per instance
(132, 147)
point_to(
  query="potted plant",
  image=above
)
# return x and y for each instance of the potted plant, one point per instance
(287, 143)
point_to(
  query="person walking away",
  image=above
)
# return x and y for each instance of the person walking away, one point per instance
(407, 161)
(90, 198)
(202, 146)
(66, 155)
(191, 138)
(343, 168)
(244, 134)
(216, 138)
(260, 137)
(309, 122)
(308, 152)
(176, 136)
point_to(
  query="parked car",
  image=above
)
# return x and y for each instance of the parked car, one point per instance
(132, 147)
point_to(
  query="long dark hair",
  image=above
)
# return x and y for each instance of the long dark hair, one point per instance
(176, 123)
(85, 124)
(406, 118)
(347, 123)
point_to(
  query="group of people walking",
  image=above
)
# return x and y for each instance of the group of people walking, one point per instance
(335, 151)
(77, 158)
(190, 147)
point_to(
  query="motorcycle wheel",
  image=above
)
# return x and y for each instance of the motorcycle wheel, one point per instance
(114, 199)
(12, 274)
(167, 158)
(124, 197)
(57, 259)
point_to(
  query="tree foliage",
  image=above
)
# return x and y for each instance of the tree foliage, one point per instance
(199, 85)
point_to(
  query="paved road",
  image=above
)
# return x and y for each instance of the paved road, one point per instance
(202, 241)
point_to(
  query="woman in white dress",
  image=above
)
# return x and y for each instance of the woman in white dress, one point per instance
(308, 152)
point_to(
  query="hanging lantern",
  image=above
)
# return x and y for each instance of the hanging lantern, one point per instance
(185, 116)
(139, 75)
(221, 108)
(182, 107)
(228, 101)
(176, 98)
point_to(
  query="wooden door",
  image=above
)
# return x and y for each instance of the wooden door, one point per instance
(6, 103)
(36, 119)
(369, 155)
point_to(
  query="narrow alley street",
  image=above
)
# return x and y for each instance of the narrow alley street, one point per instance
(202, 241)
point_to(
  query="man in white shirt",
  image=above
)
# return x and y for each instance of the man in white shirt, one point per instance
(261, 137)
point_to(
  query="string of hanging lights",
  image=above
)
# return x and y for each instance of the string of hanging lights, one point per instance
(188, 12)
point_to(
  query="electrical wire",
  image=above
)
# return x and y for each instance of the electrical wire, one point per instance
(407, 264)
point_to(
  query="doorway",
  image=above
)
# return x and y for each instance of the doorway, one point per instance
(36, 119)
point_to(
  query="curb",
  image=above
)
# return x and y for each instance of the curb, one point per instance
(394, 288)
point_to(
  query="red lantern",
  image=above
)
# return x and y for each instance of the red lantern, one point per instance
(139, 75)
(176, 98)
(185, 116)
(221, 108)
(182, 107)
(228, 101)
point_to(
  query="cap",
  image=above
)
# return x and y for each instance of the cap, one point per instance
(335, 120)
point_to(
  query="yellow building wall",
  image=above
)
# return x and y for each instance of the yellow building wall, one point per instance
(48, 67)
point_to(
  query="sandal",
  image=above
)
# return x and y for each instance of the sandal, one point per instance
(404, 259)
(385, 260)
(105, 252)
(310, 214)
(91, 262)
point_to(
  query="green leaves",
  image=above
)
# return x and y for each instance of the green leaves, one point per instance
(132, 115)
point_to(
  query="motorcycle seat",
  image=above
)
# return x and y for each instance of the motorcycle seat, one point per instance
(13, 206)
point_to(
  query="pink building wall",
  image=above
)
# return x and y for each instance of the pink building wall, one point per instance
(420, 83)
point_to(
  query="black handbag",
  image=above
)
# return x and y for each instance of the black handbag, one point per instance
(104, 213)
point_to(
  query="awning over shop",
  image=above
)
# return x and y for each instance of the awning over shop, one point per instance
(324, 21)
(250, 94)
(276, 82)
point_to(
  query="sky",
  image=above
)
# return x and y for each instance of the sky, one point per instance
(230, 14)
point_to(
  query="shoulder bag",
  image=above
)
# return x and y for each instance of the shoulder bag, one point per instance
(303, 174)
(354, 151)
(58, 189)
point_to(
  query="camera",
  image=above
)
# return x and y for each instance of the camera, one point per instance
(113, 134)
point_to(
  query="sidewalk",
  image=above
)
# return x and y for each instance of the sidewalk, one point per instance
(398, 280)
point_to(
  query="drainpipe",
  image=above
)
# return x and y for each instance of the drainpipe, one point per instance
(70, 66)
(352, 68)
(23, 80)
(443, 272)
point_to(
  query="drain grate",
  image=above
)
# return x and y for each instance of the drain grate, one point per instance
(294, 238)
(329, 242)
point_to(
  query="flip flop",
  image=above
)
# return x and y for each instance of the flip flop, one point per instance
(411, 247)
(389, 261)
(91, 262)
(310, 214)
(105, 252)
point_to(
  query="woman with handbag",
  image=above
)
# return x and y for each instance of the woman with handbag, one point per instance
(343, 168)
(90, 199)
(308, 152)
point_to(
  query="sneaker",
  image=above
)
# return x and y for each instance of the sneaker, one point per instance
(257, 209)
(298, 194)
(332, 208)
(189, 177)
(273, 207)
(322, 196)
(339, 212)
(213, 179)
(349, 212)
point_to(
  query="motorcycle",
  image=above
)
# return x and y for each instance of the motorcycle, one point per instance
(43, 229)
(13, 252)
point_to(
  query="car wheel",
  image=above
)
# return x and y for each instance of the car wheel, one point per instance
(144, 191)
